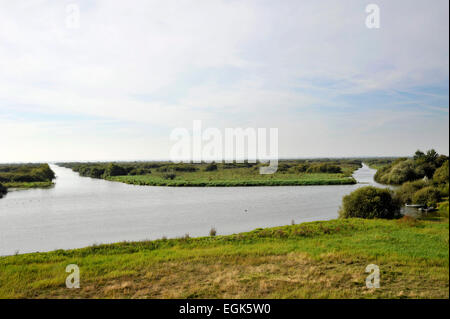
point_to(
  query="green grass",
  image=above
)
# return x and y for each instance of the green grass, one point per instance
(443, 209)
(377, 166)
(308, 180)
(311, 260)
(24, 176)
(236, 177)
(289, 173)
(27, 185)
(378, 163)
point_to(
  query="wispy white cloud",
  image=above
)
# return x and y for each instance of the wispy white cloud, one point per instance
(296, 65)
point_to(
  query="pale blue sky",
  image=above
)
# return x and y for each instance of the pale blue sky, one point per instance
(114, 88)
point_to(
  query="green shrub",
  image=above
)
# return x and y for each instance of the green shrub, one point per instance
(139, 171)
(399, 173)
(404, 170)
(429, 196)
(22, 173)
(443, 209)
(324, 168)
(185, 168)
(283, 167)
(406, 192)
(443, 188)
(115, 170)
(170, 176)
(43, 173)
(441, 174)
(211, 167)
(301, 168)
(3, 190)
(96, 172)
(370, 202)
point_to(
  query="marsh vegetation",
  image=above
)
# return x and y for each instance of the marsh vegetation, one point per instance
(421, 165)
(278, 262)
(290, 172)
(24, 176)
(422, 180)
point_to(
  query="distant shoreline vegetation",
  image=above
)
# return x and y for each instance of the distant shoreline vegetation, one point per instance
(422, 179)
(401, 170)
(289, 173)
(25, 176)
(3, 190)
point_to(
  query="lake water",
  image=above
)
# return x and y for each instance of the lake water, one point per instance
(81, 211)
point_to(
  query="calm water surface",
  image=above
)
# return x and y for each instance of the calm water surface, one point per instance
(81, 211)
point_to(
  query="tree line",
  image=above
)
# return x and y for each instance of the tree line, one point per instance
(10, 173)
(422, 179)
(23, 173)
(410, 169)
(104, 170)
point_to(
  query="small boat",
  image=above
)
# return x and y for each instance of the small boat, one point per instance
(413, 209)
(415, 205)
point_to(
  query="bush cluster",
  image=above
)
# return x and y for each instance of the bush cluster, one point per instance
(211, 167)
(26, 173)
(3, 190)
(370, 202)
(424, 180)
(428, 196)
(410, 169)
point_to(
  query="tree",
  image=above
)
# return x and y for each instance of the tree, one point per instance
(3, 190)
(211, 167)
(406, 192)
(398, 173)
(170, 176)
(115, 170)
(406, 170)
(96, 172)
(419, 155)
(431, 156)
(370, 202)
(429, 196)
(301, 168)
(441, 174)
(42, 173)
(324, 168)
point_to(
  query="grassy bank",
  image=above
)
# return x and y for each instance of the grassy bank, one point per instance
(241, 180)
(310, 260)
(421, 165)
(3, 190)
(378, 163)
(28, 185)
(25, 176)
(289, 173)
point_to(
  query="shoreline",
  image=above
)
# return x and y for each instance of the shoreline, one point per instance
(290, 173)
(28, 185)
(143, 206)
(231, 183)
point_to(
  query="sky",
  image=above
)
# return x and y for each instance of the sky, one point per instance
(114, 83)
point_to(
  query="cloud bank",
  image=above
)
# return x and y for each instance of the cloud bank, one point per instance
(115, 87)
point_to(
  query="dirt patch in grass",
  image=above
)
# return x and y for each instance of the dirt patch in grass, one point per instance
(295, 275)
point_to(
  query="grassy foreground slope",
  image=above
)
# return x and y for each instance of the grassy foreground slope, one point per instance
(311, 260)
